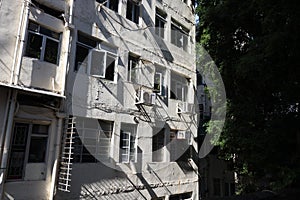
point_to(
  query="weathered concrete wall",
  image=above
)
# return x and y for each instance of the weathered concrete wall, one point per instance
(8, 30)
(97, 98)
(43, 75)
(37, 179)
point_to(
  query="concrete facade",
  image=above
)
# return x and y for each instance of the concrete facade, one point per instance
(111, 84)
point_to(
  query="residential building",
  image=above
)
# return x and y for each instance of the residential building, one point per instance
(97, 99)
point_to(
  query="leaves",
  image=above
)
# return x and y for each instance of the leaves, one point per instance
(255, 44)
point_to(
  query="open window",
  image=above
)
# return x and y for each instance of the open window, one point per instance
(133, 68)
(133, 10)
(128, 146)
(179, 87)
(159, 81)
(94, 60)
(42, 43)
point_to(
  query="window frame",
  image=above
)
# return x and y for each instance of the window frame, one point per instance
(178, 33)
(88, 64)
(177, 84)
(81, 156)
(160, 17)
(158, 147)
(107, 3)
(44, 42)
(132, 138)
(135, 11)
(27, 145)
(137, 68)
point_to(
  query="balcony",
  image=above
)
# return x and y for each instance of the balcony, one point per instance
(41, 75)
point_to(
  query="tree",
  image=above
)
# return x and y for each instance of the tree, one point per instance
(255, 44)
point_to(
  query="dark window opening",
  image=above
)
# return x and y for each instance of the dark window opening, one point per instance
(133, 11)
(42, 43)
(110, 67)
(48, 10)
(158, 145)
(182, 196)
(111, 4)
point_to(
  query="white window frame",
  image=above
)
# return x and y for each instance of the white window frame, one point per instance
(83, 129)
(131, 134)
(161, 84)
(89, 66)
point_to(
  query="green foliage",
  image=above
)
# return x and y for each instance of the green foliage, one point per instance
(255, 44)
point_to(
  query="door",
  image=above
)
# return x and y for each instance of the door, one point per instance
(18, 151)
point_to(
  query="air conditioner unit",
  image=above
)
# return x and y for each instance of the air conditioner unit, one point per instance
(184, 107)
(145, 97)
(184, 135)
(181, 135)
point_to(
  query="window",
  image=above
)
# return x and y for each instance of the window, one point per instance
(160, 21)
(133, 11)
(111, 4)
(42, 43)
(29, 145)
(179, 35)
(179, 87)
(217, 186)
(159, 81)
(48, 10)
(93, 60)
(92, 140)
(128, 149)
(158, 143)
(38, 143)
(133, 69)
(182, 196)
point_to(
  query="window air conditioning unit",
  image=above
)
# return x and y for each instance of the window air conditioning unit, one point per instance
(145, 97)
(184, 107)
(181, 135)
(184, 135)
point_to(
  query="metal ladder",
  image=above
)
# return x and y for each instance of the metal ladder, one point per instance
(64, 176)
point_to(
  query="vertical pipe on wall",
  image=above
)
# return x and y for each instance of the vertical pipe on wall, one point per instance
(18, 59)
(7, 139)
(57, 145)
(66, 45)
(17, 42)
(2, 136)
